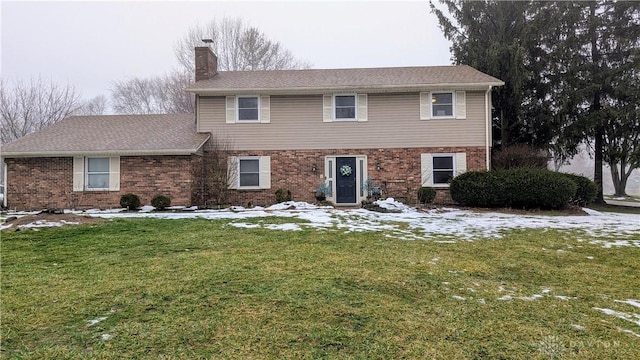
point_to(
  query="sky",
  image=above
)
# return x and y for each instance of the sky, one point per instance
(90, 44)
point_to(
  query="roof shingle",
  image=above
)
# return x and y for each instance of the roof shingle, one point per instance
(173, 134)
(345, 78)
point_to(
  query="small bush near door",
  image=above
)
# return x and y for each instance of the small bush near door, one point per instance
(283, 195)
(130, 201)
(160, 202)
(426, 195)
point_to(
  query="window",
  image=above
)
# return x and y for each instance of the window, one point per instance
(249, 170)
(248, 108)
(443, 169)
(438, 168)
(98, 173)
(442, 104)
(345, 107)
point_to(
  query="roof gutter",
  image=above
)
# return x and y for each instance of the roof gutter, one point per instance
(22, 154)
(297, 90)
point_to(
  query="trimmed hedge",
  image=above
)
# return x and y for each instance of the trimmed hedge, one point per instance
(426, 195)
(513, 188)
(160, 202)
(130, 201)
(586, 191)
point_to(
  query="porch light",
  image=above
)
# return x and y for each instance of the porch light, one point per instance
(314, 168)
(378, 167)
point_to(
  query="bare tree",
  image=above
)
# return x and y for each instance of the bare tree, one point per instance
(238, 46)
(217, 172)
(29, 106)
(95, 106)
(154, 95)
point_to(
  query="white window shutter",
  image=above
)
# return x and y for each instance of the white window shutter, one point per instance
(78, 173)
(327, 108)
(114, 173)
(426, 170)
(233, 172)
(362, 107)
(231, 109)
(461, 163)
(461, 105)
(265, 109)
(265, 172)
(425, 106)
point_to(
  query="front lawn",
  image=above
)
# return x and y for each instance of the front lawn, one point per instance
(196, 288)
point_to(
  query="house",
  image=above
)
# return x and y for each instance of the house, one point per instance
(91, 161)
(396, 128)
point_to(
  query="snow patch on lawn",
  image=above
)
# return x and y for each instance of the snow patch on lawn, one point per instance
(634, 318)
(617, 243)
(631, 302)
(95, 321)
(45, 223)
(446, 225)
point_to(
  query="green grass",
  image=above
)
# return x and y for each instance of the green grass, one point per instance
(176, 289)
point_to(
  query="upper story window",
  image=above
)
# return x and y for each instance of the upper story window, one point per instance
(249, 108)
(98, 173)
(345, 107)
(442, 104)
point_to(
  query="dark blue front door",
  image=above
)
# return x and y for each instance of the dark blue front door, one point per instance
(346, 180)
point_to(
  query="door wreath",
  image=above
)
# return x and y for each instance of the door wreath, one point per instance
(346, 170)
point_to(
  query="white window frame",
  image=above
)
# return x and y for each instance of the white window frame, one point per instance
(355, 108)
(87, 173)
(238, 108)
(453, 105)
(244, 158)
(433, 169)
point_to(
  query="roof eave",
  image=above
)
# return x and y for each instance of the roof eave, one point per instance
(364, 88)
(17, 154)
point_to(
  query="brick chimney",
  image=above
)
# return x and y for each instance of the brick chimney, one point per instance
(206, 63)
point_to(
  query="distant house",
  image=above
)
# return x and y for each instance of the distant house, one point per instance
(398, 128)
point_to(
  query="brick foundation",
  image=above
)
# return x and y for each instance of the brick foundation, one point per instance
(39, 183)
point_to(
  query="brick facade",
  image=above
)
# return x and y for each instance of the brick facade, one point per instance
(39, 183)
(399, 175)
(47, 183)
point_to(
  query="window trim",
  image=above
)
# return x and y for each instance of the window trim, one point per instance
(237, 108)
(355, 107)
(433, 169)
(87, 173)
(453, 104)
(240, 159)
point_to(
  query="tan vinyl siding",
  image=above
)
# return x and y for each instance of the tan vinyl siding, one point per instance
(393, 121)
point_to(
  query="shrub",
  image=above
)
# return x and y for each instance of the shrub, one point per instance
(283, 195)
(586, 191)
(160, 202)
(519, 156)
(130, 201)
(426, 195)
(477, 188)
(516, 188)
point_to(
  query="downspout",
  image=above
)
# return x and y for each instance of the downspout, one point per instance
(487, 133)
(4, 182)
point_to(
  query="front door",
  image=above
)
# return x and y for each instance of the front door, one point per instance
(346, 180)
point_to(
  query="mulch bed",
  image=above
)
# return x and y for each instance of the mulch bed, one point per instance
(50, 217)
